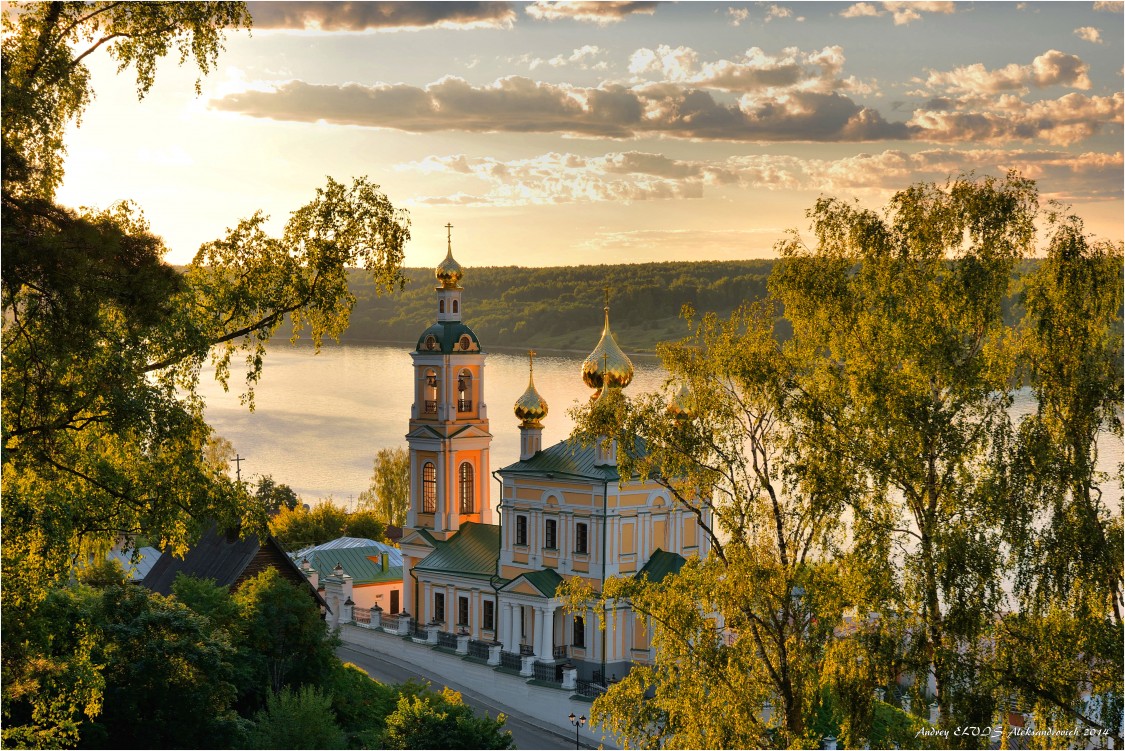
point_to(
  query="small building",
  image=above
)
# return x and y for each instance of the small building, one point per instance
(228, 560)
(374, 568)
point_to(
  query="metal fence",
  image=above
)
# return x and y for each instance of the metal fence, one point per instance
(361, 615)
(511, 660)
(419, 631)
(558, 652)
(527, 650)
(445, 639)
(549, 673)
(590, 688)
(479, 649)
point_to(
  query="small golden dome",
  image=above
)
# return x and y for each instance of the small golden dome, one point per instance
(607, 365)
(449, 272)
(679, 408)
(531, 408)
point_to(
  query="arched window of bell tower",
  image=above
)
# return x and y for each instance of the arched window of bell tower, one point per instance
(455, 306)
(441, 306)
(429, 488)
(465, 487)
(430, 393)
(465, 391)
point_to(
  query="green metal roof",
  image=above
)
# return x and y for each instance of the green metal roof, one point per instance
(660, 564)
(448, 334)
(568, 459)
(472, 551)
(357, 564)
(546, 580)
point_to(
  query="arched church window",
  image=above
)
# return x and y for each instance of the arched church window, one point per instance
(454, 306)
(465, 483)
(465, 391)
(429, 402)
(429, 488)
(441, 306)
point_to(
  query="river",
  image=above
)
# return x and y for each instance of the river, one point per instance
(320, 418)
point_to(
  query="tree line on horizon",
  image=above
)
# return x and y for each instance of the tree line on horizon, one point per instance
(560, 307)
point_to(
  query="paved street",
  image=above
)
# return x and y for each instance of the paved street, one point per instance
(527, 733)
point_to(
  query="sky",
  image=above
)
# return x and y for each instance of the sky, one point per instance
(558, 133)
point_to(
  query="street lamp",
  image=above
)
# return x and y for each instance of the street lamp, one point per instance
(577, 722)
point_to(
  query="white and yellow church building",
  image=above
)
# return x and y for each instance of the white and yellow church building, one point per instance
(564, 511)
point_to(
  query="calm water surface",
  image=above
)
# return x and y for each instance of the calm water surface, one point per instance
(320, 418)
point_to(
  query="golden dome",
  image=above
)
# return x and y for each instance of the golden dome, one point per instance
(679, 408)
(607, 364)
(531, 408)
(449, 272)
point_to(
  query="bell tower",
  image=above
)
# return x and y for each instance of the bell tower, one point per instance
(448, 436)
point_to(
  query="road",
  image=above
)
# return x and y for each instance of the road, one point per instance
(526, 732)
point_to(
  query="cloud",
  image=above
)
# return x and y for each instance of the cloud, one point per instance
(755, 71)
(861, 10)
(367, 16)
(676, 245)
(584, 57)
(902, 12)
(1109, 6)
(1089, 34)
(519, 104)
(1065, 120)
(601, 13)
(556, 178)
(1052, 68)
(777, 11)
(737, 15)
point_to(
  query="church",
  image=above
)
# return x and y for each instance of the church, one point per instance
(563, 512)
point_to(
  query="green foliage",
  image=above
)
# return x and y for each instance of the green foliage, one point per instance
(362, 705)
(46, 85)
(366, 523)
(748, 625)
(274, 496)
(99, 661)
(389, 494)
(297, 528)
(300, 718)
(282, 627)
(103, 343)
(561, 308)
(442, 721)
(911, 383)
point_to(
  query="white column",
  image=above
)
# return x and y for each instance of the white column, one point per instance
(504, 632)
(425, 614)
(549, 632)
(516, 623)
(476, 614)
(538, 642)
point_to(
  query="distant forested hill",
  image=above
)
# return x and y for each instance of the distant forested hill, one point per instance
(561, 307)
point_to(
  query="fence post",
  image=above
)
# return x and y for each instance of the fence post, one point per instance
(404, 623)
(570, 677)
(462, 644)
(432, 630)
(376, 617)
(527, 666)
(494, 654)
